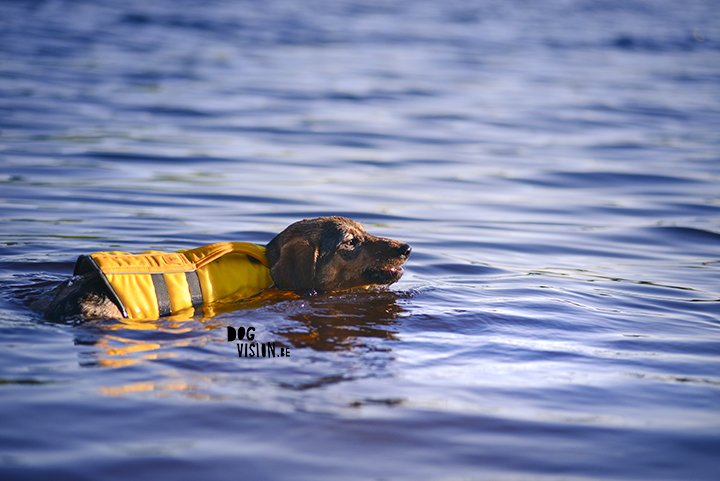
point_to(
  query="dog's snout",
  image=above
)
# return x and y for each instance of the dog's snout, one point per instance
(404, 250)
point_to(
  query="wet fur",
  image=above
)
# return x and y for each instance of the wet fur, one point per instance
(313, 255)
(333, 253)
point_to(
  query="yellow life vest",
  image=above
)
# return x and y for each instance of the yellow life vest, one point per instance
(153, 284)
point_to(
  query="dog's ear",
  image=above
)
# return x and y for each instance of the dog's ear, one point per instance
(294, 269)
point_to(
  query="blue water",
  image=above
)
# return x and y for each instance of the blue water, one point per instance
(555, 166)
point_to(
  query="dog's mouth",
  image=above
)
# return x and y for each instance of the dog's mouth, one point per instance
(386, 275)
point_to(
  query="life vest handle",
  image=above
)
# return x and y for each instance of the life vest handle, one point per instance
(213, 252)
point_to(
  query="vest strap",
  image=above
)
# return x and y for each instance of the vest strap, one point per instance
(196, 295)
(162, 294)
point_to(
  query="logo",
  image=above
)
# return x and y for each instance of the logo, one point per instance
(250, 348)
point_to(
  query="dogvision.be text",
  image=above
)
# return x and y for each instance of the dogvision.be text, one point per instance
(251, 348)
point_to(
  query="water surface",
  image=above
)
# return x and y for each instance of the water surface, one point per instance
(555, 168)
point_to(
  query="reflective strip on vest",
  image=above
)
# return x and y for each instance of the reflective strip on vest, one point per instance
(153, 284)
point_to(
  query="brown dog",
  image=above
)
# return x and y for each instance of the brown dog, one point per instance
(331, 254)
(314, 255)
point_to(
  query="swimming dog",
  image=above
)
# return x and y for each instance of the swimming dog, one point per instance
(311, 256)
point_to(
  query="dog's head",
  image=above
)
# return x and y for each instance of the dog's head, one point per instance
(331, 254)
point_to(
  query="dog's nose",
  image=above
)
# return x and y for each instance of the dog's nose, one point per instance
(404, 250)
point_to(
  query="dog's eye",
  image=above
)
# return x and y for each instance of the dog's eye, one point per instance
(351, 242)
